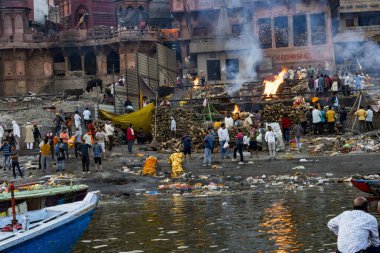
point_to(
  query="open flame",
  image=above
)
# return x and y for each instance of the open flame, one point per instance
(271, 87)
(236, 109)
(196, 83)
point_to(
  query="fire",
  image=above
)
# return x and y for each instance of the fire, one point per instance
(271, 87)
(236, 109)
(196, 83)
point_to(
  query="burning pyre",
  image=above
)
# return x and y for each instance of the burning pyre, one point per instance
(271, 87)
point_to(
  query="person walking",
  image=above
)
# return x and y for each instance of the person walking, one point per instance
(270, 138)
(100, 136)
(316, 114)
(29, 139)
(1, 135)
(330, 116)
(130, 138)
(369, 119)
(239, 146)
(286, 123)
(86, 117)
(57, 123)
(303, 119)
(77, 141)
(77, 121)
(16, 134)
(109, 133)
(223, 139)
(208, 143)
(60, 156)
(253, 133)
(15, 162)
(36, 135)
(186, 140)
(45, 154)
(343, 116)
(6, 148)
(98, 150)
(361, 115)
(357, 230)
(173, 127)
(50, 137)
(69, 125)
(85, 156)
(322, 125)
(298, 132)
(64, 136)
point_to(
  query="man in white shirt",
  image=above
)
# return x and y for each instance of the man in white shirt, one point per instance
(16, 134)
(109, 133)
(316, 114)
(270, 138)
(357, 230)
(77, 119)
(229, 122)
(86, 117)
(248, 121)
(1, 135)
(173, 126)
(369, 119)
(223, 139)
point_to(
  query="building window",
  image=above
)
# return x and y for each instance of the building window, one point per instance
(318, 29)
(281, 32)
(350, 22)
(300, 31)
(265, 32)
(200, 31)
(232, 68)
(237, 29)
(369, 19)
(213, 70)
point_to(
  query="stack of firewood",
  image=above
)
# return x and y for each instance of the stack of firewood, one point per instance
(274, 112)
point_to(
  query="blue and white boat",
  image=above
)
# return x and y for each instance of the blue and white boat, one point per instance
(51, 229)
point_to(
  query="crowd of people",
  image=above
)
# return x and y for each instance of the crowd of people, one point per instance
(71, 135)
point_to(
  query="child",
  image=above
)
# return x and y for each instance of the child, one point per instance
(6, 148)
(98, 149)
(60, 156)
(15, 163)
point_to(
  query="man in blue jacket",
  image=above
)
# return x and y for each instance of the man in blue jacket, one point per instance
(209, 146)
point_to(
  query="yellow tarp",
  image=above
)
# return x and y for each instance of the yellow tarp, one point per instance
(141, 118)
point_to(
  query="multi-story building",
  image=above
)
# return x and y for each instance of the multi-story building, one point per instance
(217, 34)
(359, 23)
(95, 39)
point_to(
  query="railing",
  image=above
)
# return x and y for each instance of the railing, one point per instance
(368, 29)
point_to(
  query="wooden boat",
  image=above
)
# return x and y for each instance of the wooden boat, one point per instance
(51, 229)
(40, 198)
(367, 186)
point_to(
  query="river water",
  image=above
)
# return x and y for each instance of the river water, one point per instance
(261, 220)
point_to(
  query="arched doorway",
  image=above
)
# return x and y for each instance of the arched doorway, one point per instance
(59, 65)
(19, 25)
(75, 62)
(113, 63)
(7, 25)
(90, 64)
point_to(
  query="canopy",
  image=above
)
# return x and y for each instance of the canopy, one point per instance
(140, 119)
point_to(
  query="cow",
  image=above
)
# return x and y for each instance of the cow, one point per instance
(93, 83)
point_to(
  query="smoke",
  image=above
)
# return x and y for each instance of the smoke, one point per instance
(247, 48)
(358, 52)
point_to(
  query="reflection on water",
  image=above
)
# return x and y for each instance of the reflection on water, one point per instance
(277, 221)
(268, 220)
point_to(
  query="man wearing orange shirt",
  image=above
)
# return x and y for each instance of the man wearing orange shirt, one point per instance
(64, 135)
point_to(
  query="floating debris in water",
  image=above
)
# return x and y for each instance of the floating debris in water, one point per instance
(182, 247)
(100, 246)
(132, 251)
(172, 232)
(130, 233)
(86, 241)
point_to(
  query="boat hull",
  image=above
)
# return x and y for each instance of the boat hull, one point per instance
(58, 240)
(367, 186)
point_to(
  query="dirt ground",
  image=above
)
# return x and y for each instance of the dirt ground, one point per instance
(120, 175)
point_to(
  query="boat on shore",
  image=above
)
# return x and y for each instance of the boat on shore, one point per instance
(368, 186)
(51, 229)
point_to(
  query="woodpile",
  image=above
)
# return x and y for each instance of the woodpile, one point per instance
(187, 122)
(274, 112)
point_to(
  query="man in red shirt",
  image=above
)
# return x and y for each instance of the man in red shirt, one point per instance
(130, 138)
(286, 123)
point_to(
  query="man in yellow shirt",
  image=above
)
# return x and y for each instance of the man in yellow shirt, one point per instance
(330, 116)
(45, 154)
(361, 114)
